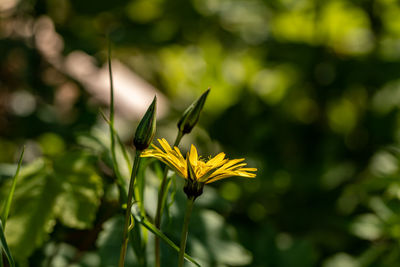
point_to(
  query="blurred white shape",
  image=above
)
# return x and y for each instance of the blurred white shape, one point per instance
(23, 27)
(80, 65)
(32, 151)
(383, 163)
(47, 40)
(22, 103)
(380, 208)
(387, 98)
(7, 4)
(367, 226)
(132, 94)
(341, 260)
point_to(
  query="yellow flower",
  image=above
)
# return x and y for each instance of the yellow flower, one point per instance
(204, 171)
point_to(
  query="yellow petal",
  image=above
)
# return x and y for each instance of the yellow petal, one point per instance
(236, 167)
(218, 159)
(193, 157)
(232, 162)
(164, 144)
(218, 177)
(227, 175)
(178, 151)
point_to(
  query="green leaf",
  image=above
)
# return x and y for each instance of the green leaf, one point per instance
(32, 216)
(67, 188)
(4, 247)
(82, 188)
(6, 209)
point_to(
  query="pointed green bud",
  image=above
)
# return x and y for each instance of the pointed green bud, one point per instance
(146, 128)
(192, 114)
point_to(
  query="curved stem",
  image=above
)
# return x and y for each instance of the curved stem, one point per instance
(189, 207)
(161, 203)
(128, 209)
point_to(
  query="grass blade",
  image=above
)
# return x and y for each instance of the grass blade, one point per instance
(143, 221)
(7, 207)
(4, 247)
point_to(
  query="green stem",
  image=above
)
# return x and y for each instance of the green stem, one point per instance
(189, 207)
(128, 209)
(161, 203)
(111, 124)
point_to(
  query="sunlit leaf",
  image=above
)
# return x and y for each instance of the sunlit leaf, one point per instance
(69, 189)
(32, 216)
(82, 189)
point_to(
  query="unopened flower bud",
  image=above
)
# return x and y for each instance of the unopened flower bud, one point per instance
(192, 114)
(146, 128)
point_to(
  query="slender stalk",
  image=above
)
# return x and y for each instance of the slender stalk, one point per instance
(111, 124)
(189, 207)
(128, 209)
(161, 204)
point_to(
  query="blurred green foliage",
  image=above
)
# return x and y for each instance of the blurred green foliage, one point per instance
(307, 90)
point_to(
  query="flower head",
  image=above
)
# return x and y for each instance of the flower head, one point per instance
(198, 169)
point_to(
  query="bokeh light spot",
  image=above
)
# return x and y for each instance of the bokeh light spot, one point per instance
(22, 103)
(230, 191)
(256, 212)
(383, 163)
(283, 241)
(51, 144)
(342, 116)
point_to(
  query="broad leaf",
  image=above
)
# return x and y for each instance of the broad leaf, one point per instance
(82, 188)
(67, 188)
(32, 216)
